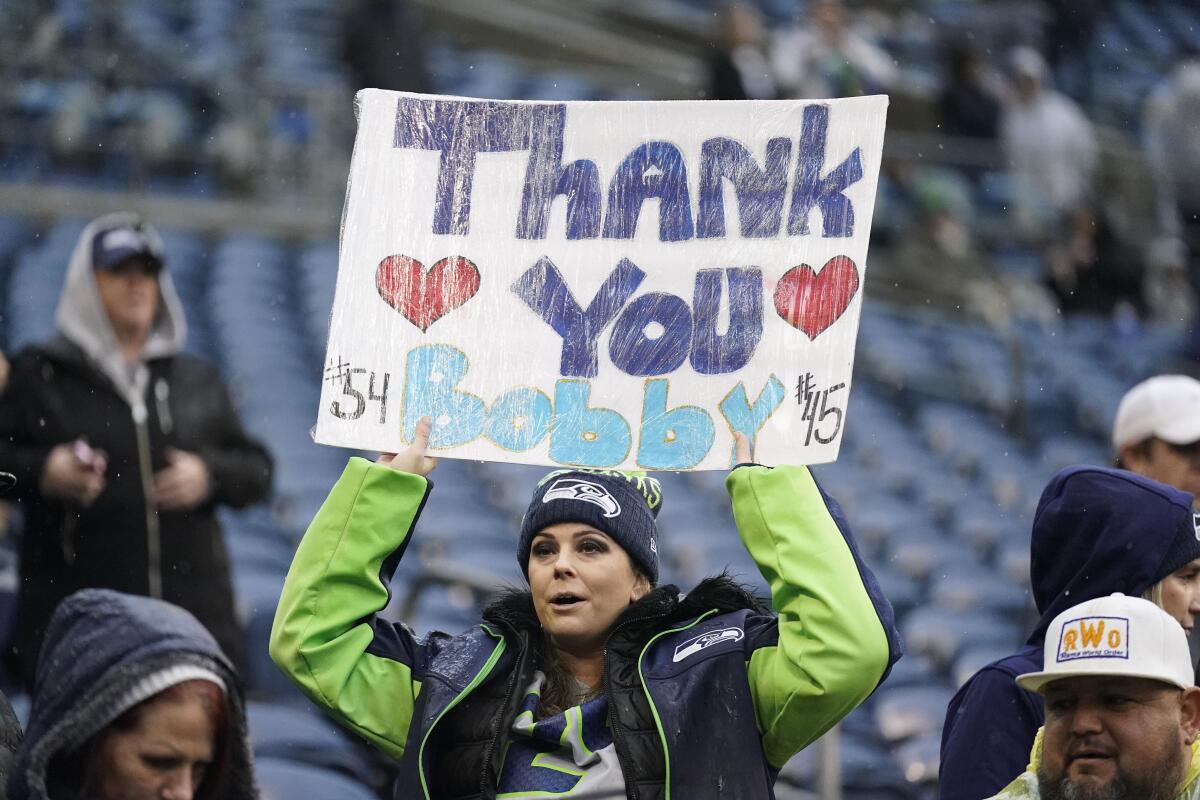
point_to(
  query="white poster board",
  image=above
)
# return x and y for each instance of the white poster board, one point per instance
(611, 284)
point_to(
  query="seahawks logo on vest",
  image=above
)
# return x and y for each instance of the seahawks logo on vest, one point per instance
(695, 645)
(588, 492)
(1196, 525)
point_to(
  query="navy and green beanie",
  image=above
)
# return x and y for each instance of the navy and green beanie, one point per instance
(620, 504)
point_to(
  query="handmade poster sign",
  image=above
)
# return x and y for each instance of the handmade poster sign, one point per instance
(602, 284)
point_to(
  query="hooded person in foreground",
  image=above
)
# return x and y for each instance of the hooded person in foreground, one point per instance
(123, 446)
(595, 682)
(1095, 531)
(134, 701)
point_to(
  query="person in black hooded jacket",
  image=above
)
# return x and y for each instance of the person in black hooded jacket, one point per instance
(123, 446)
(112, 667)
(1095, 531)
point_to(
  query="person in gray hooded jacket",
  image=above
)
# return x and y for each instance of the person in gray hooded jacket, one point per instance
(123, 447)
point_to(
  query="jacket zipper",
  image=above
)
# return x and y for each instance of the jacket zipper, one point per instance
(653, 709)
(146, 468)
(162, 396)
(499, 724)
(633, 792)
(483, 673)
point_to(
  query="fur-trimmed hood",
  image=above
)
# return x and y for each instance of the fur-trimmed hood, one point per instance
(514, 609)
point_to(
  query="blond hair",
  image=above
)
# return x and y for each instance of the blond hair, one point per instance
(1155, 594)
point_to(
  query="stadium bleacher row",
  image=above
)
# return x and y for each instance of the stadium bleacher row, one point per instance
(938, 487)
(952, 430)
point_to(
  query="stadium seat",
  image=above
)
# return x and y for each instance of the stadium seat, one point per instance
(279, 779)
(302, 736)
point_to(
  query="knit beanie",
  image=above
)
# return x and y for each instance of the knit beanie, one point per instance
(623, 506)
(158, 682)
(1184, 547)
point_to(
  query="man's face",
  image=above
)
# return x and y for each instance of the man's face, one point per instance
(1115, 738)
(129, 294)
(1173, 464)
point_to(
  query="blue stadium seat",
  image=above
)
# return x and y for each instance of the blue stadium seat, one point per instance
(941, 635)
(909, 712)
(279, 779)
(305, 737)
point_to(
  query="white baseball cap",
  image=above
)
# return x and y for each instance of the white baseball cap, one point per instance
(1115, 635)
(1165, 406)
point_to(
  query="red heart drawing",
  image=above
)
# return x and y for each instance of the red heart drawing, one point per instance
(425, 297)
(812, 301)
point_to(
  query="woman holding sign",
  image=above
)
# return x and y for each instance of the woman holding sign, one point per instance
(594, 682)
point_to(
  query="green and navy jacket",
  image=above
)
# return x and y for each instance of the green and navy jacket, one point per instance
(710, 694)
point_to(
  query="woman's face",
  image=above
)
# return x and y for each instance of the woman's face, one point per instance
(163, 757)
(581, 581)
(1181, 594)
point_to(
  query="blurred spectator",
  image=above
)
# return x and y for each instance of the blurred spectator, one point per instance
(384, 45)
(970, 102)
(1122, 709)
(936, 260)
(1166, 288)
(1050, 147)
(827, 59)
(122, 446)
(134, 700)
(1171, 125)
(1090, 267)
(741, 69)
(1156, 432)
(1095, 531)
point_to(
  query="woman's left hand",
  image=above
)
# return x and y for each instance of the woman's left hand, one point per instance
(741, 449)
(413, 458)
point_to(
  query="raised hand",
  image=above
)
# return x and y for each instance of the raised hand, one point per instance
(413, 458)
(741, 448)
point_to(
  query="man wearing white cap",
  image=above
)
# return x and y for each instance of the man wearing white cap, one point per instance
(1157, 431)
(1122, 709)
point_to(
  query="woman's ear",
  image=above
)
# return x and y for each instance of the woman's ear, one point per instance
(641, 586)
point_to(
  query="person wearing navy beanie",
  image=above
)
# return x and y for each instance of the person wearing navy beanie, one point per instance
(595, 680)
(1096, 531)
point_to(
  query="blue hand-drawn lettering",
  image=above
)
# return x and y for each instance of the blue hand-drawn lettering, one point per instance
(826, 193)
(459, 129)
(675, 439)
(519, 419)
(543, 289)
(635, 351)
(546, 178)
(431, 373)
(740, 415)
(714, 353)
(654, 169)
(759, 192)
(583, 436)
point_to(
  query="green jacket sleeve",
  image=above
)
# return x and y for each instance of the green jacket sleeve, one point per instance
(366, 672)
(833, 645)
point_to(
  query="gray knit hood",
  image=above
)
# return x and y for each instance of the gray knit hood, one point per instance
(82, 320)
(100, 646)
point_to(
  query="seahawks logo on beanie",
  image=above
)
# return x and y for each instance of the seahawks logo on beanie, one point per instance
(649, 488)
(588, 492)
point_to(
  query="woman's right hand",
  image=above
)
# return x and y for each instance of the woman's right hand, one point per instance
(413, 458)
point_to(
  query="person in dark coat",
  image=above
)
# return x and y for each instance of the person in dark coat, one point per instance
(133, 699)
(1095, 531)
(122, 446)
